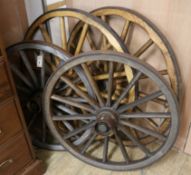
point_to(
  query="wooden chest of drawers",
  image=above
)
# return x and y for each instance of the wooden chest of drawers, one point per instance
(16, 153)
(9, 121)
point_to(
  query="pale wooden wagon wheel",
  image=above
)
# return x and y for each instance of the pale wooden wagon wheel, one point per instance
(129, 20)
(88, 21)
(132, 18)
(113, 120)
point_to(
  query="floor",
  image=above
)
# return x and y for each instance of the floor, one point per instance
(62, 163)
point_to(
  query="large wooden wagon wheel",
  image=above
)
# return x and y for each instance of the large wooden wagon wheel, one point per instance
(85, 42)
(130, 19)
(113, 119)
(125, 22)
(32, 63)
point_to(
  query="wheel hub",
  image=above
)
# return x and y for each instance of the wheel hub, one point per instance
(34, 104)
(106, 120)
(102, 128)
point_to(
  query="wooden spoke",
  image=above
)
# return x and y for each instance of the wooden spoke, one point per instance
(120, 81)
(23, 89)
(49, 65)
(81, 39)
(134, 132)
(135, 141)
(28, 66)
(19, 74)
(119, 87)
(125, 30)
(140, 101)
(161, 72)
(62, 88)
(152, 123)
(63, 33)
(66, 123)
(105, 65)
(90, 141)
(146, 115)
(106, 76)
(121, 146)
(128, 38)
(127, 89)
(104, 39)
(144, 130)
(110, 84)
(93, 84)
(81, 100)
(45, 34)
(68, 126)
(156, 100)
(42, 72)
(79, 92)
(33, 119)
(72, 103)
(79, 130)
(74, 117)
(105, 149)
(66, 110)
(91, 42)
(143, 48)
(43, 131)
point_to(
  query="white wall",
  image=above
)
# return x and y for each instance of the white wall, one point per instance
(52, 1)
(34, 9)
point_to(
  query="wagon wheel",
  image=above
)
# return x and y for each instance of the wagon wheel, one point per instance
(85, 42)
(31, 64)
(127, 22)
(114, 120)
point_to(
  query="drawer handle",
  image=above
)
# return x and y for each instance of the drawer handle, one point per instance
(7, 162)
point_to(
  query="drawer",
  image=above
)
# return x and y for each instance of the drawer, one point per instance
(5, 88)
(15, 155)
(10, 123)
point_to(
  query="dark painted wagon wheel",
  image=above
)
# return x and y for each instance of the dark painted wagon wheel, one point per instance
(32, 63)
(113, 120)
(127, 21)
(89, 23)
